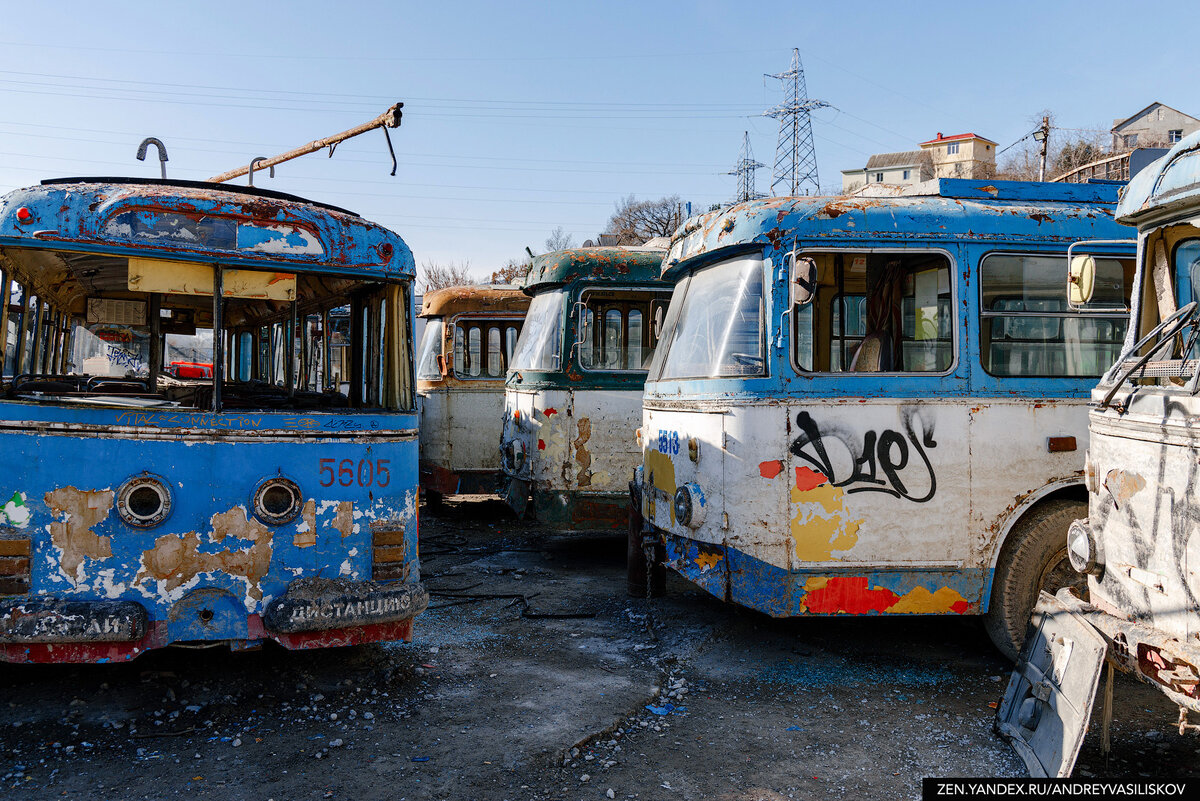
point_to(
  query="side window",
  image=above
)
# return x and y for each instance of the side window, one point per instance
(877, 313)
(1027, 329)
(484, 346)
(613, 335)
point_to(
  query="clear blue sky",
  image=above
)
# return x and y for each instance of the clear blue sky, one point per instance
(523, 117)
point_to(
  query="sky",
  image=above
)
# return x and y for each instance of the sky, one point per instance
(520, 118)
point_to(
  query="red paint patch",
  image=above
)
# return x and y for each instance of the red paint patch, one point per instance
(541, 445)
(807, 478)
(850, 595)
(960, 607)
(770, 469)
(550, 412)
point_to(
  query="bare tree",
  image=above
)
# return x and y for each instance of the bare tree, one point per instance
(559, 240)
(637, 221)
(433, 275)
(513, 272)
(1065, 151)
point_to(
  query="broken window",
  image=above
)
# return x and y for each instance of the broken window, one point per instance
(110, 343)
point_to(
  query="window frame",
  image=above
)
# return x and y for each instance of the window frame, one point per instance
(502, 322)
(956, 339)
(578, 305)
(981, 317)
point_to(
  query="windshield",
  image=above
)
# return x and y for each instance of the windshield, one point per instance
(431, 348)
(540, 345)
(714, 327)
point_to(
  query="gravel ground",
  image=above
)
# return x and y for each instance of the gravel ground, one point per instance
(578, 692)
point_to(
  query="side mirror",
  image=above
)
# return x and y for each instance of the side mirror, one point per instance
(803, 280)
(441, 363)
(1081, 281)
(658, 322)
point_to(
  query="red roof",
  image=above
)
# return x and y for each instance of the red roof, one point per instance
(955, 137)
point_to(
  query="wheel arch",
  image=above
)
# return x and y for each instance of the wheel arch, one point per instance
(1069, 489)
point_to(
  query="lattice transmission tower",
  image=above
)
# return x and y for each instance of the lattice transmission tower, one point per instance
(744, 170)
(795, 156)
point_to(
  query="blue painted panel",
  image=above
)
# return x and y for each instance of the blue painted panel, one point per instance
(207, 536)
(781, 593)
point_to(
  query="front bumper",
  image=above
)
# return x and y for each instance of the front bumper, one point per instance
(311, 613)
(1155, 658)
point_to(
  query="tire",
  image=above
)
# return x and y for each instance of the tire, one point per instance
(1034, 558)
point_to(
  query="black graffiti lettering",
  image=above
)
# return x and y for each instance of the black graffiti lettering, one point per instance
(884, 452)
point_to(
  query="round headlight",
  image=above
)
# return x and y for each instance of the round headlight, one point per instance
(277, 500)
(690, 506)
(144, 501)
(1083, 549)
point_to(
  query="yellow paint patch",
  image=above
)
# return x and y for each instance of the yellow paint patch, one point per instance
(820, 526)
(73, 535)
(660, 472)
(921, 601)
(707, 561)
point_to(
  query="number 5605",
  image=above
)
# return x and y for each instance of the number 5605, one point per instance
(366, 473)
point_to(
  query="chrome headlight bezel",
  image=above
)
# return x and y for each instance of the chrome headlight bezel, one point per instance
(690, 505)
(277, 501)
(1084, 551)
(144, 501)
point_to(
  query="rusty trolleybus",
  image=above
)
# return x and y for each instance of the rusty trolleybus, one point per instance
(874, 405)
(470, 335)
(273, 499)
(574, 393)
(1139, 545)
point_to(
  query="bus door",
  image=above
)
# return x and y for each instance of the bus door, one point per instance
(878, 463)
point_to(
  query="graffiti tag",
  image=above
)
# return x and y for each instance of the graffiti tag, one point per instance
(878, 463)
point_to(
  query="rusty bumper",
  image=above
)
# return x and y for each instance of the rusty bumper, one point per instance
(312, 613)
(1150, 654)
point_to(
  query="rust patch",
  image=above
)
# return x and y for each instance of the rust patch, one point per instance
(583, 476)
(343, 521)
(775, 237)
(73, 535)
(1122, 486)
(1041, 218)
(177, 559)
(308, 537)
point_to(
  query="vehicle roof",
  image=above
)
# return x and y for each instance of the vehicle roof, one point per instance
(477, 298)
(78, 214)
(618, 264)
(1167, 184)
(937, 210)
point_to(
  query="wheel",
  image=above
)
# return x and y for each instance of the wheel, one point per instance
(1034, 559)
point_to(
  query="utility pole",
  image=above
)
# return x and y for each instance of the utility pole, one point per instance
(795, 156)
(744, 170)
(1042, 135)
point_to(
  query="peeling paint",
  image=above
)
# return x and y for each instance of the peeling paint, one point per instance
(583, 477)
(81, 510)
(343, 521)
(819, 527)
(306, 532)
(176, 559)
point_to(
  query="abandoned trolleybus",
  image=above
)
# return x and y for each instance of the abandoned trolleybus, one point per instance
(271, 496)
(874, 405)
(574, 393)
(1139, 545)
(470, 335)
